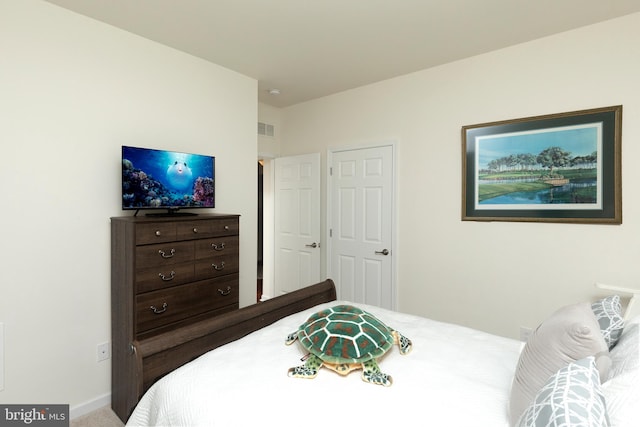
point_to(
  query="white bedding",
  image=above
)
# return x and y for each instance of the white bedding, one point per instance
(454, 376)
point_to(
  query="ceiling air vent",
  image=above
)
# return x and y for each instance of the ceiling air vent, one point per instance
(265, 129)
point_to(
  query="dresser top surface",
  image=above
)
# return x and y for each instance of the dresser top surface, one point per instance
(173, 218)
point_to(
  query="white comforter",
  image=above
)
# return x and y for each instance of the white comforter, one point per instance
(455, 376)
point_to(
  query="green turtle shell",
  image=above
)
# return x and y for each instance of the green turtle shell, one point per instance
(345, 334)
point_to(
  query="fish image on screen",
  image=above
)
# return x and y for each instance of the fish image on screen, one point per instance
(179, 175)
(161, 179)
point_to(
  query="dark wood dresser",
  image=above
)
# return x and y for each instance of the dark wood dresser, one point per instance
(167, 275)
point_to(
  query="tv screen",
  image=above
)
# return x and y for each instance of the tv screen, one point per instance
(160, 179)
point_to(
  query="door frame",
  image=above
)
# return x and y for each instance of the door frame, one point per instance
(394, 213)
(268, 241)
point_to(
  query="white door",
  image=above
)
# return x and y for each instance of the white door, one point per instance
(297, 222)
(361, 225)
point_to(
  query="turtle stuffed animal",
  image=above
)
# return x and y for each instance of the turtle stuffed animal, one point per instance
(344, 338)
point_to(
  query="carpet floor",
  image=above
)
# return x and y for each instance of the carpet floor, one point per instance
(103, 417)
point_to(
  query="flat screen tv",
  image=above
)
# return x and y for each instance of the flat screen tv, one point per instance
(169, 180)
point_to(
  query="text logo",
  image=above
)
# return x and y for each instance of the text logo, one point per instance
(34, 415)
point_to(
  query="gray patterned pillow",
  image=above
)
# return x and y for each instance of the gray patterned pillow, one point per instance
(571, 397)
(608, 312)
(571, 333)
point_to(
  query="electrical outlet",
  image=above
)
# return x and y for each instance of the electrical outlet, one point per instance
(525, 333)
(104, 351)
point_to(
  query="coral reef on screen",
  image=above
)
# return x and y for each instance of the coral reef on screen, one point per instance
(203, 191)
(142, 190)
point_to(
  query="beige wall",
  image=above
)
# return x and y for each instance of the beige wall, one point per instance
(492, 276)
(72, 91)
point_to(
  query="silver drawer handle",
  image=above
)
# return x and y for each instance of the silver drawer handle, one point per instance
(226, 292)
(219, 247)
(226, 228)
(383, 252)
(218, 267)
(195, 230)
(156, 311)
(163, 254)
(158, 233)
(167, 278)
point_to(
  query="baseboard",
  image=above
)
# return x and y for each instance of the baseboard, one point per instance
(90, 406)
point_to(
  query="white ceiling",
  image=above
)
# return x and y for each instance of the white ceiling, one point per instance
(313, 48)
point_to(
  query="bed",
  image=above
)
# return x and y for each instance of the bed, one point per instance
(454, 376)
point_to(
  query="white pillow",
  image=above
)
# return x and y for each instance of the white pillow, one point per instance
(624, 356)
(571, 397)
(622, 389)
(571, 333)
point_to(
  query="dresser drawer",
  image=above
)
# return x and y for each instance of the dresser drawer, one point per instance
(217, 266)
(159, 277)
(207, 228)
(155, 232)
(164, 254)
(159, 308)
(192, 230)
(218, 246)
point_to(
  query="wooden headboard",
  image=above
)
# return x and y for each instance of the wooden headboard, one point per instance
(161, 354)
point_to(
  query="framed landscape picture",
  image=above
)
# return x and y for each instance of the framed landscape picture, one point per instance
(554, 168)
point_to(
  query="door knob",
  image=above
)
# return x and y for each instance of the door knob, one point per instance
(383, 252)
(313, 245)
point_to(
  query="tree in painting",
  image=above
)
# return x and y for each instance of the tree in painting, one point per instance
(554, 157)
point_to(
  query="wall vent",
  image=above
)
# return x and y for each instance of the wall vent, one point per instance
(265, 129)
